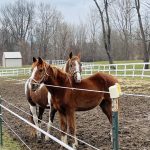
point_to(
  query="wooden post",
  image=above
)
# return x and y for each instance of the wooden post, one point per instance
(115, 92)
(115, 126)
(1, 134)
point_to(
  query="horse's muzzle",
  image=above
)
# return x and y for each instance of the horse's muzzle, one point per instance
(34, 86)
(77, 77)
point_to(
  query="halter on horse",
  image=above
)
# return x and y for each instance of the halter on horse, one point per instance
(67, 101)
(40, 93)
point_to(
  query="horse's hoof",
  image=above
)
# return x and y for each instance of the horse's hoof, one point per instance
(47, 138)
(75, 147)
(39, 140)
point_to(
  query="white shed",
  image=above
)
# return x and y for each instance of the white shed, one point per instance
(12, 59)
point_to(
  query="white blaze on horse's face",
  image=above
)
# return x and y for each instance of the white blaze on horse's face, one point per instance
(33, 72)
(77, 71)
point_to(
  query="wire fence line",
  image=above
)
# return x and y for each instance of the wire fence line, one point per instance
(52, 126)
(88, 90)
(16, 134)
(124, 94)
(37, 128)
(61, 130)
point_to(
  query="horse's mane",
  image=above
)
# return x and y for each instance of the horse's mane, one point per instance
(56, 70)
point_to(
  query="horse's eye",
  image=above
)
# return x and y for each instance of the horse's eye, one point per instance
(70, 65)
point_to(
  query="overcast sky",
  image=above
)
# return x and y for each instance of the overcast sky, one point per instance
(73, 11)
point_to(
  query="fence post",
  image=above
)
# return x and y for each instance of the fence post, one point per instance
(1, 134)
(115, 92)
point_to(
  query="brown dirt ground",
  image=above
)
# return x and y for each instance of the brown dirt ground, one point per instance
(92, 126)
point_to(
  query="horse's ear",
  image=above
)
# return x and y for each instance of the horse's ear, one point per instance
(79, 55)
(70, 55)
(34, 59)
(40, 60)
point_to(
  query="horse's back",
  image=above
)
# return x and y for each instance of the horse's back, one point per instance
(101, 78)
(109, 79)
(97, 81)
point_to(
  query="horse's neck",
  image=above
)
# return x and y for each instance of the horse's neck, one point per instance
(60, 78)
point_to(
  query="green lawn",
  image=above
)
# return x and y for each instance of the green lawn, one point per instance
(119, 62)
(9, 143)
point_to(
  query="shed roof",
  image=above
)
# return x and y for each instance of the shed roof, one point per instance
(12, 54)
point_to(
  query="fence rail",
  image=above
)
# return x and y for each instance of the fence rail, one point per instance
(15, 72)
(123, 70)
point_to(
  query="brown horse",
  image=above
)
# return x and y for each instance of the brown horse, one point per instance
(67, 101)
(42, 97)
(73, 67)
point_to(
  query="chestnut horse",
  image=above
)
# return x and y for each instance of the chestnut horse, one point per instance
(68, 100)
(42, 97)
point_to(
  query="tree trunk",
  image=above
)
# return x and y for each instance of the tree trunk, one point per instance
(146, 52)
(106, 36)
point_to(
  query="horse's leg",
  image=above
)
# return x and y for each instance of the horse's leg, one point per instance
(72, 127)
(106, 106)
(31, 117)
(35, 119)
(63, 125)
(41, 111)
(52, 113)
(33, 131)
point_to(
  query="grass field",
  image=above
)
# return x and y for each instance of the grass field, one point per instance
(9, 143)
(119, 62)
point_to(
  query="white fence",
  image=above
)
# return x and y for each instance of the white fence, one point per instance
(124, 70)
(57, 62)
(15, 72)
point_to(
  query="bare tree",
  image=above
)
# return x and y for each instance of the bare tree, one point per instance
(16, 18)
(105, 26)
(47, 23)
(123, 21)
(146, 52)
(80, 38)
(64, 37)
(93, 32)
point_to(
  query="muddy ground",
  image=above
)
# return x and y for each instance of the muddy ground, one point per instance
(92, 126)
